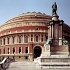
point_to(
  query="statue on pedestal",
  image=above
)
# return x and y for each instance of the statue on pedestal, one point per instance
(54, 9)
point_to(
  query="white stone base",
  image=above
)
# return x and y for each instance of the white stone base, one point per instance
(55, 67)
(62, 61)
(45, 54)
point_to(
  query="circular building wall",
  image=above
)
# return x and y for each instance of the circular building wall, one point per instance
(20, 34)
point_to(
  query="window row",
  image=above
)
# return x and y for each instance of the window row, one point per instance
(20, 39)
(13, 50)
(13, 40)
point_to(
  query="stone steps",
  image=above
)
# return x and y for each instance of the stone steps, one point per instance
(23, 65)
(55, 63)
(33, 66)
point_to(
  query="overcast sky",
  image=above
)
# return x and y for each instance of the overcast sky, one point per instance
(12, 8)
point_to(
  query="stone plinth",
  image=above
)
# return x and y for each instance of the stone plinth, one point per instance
(46, 51)
(55, 17)
(60, 50)
(54, 61)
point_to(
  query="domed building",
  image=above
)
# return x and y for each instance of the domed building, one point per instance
(23, 37)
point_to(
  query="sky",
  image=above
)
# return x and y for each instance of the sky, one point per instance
(12, 8)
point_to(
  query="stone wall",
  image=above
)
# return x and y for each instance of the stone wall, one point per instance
(64, 50)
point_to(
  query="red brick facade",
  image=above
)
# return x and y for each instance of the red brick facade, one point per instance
(19, 35)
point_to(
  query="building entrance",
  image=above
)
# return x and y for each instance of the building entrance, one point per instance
(37, 51)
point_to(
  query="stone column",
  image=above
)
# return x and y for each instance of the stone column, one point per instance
(6, 40)
(60, 32)
(40, 38)
(33, 37)
(11, 40)
(30, 57)
(2, 51)
(44, 39)
(11, 50)
(52, 31)
(2, 41)
(6, 50)
(16, 39)
(23, 38)
(29, 37)
(21, 49)
(49, 32)
(16, 50)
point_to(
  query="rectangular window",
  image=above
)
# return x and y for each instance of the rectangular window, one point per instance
(31, 39)
(46, 37)
(41, 39)
(20, 38)
(4, 41)
(19, 50)
(26, 49)
(26, 39)
(8, 40)
(13, 40)
(8, 50)
(13, 50)
(31, 35)
(36, 38)
(4, 50)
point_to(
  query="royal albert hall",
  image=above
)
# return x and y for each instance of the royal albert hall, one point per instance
(23, 37)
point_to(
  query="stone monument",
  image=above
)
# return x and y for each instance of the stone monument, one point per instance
(56, 49)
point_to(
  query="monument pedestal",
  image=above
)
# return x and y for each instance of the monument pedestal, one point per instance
(58, 59)
(56, 49)
(55, 61)
(46, 51)
(56, 52)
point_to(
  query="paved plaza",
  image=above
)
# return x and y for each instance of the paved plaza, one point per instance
(28, 66)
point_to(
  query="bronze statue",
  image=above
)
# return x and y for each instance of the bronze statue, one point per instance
(54, 9)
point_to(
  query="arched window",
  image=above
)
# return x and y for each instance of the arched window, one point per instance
(36, 38)
(19, 50)
(4, 41)
(26, 39)
(20, 39)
